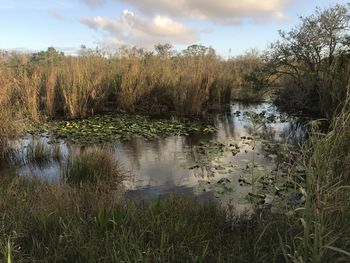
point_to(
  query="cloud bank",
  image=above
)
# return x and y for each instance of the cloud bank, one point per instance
(135, 30)
(159, 20)
(218, 11)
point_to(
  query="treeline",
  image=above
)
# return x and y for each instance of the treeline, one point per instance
(311, 62)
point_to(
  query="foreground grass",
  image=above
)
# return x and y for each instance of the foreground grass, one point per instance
(325, 216)
(56, 223)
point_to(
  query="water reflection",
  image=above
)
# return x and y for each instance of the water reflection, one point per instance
(162, 165)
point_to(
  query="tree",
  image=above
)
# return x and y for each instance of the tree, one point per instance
(252, 69)
(164, 50)
(198, 51)
(50, 54)
(307, 56)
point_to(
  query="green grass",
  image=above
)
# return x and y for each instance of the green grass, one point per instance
(56, 223)
(94, 166)
(325, 216)
(37, 152)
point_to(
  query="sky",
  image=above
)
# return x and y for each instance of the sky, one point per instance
(231, 27)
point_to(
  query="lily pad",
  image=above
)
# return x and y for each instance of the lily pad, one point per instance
(112, 127)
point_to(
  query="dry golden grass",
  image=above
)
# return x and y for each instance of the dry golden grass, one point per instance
(80, 80)
(49, 84)
(9, 118)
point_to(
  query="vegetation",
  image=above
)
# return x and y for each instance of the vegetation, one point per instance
(37, 152)
(9, 118)
(94, 166)
(50, 84)
(84, 222)
(113, 127)
(49, 223)
(311, 62)
(326, 227)
(84, 217)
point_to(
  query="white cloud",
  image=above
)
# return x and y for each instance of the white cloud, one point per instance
(221, 11)
(227, 11)
(135, 30)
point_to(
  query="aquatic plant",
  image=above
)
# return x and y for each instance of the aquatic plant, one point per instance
(258, 121)
(57, 154)
(95, 166)
(204, 153)
(113, 127)
(37, 152)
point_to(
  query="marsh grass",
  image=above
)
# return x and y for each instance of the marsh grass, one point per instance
(325, 216)
(55, 223)
(30, 81)
(57, 154)
(11, 123)
(87, 221)
(80, 80)
(95, 166)
(38, 153)
(49, 84)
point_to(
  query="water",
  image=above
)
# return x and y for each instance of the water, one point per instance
(168, 165)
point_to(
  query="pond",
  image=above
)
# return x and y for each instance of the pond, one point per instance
(231, 164)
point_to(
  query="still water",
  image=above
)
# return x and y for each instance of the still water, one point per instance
(193, 165)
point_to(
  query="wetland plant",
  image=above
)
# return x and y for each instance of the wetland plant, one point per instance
(57, 153)
(76, 225)
(93, 166)
(325, 215)
(257, 120)
(38, 153)
(113, 127)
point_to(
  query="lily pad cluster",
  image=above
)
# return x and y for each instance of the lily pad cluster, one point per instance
(123, 127)
(204, 153)
(266, 184)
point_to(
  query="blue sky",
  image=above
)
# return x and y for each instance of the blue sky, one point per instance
(229, 26)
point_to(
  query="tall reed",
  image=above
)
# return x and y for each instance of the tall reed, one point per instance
(30, 83)
(325, 216)
(10, 116)
(49, 84)
(50, 96)
(80, 80)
